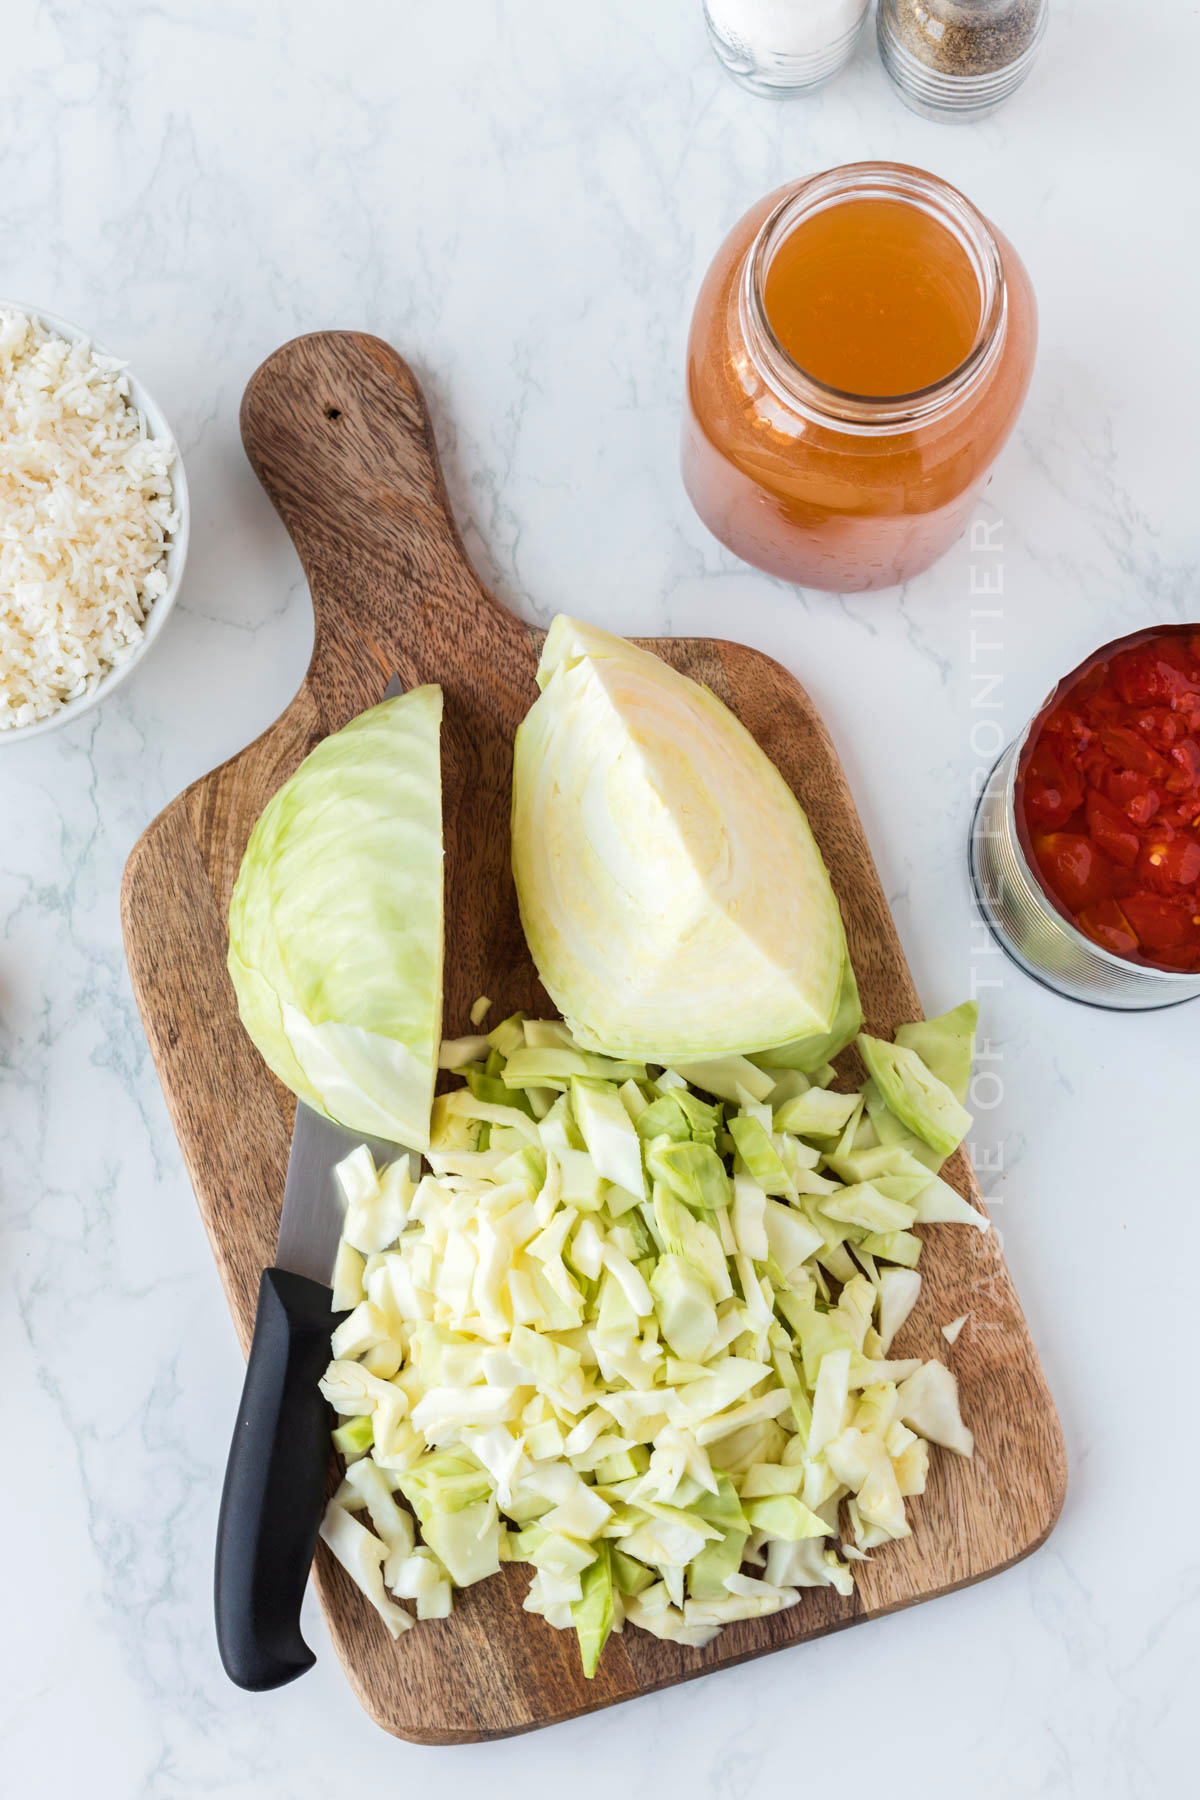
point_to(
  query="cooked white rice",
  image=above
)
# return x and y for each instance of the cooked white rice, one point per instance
(85, 515)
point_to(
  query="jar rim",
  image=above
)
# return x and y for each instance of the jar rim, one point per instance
(820, 400)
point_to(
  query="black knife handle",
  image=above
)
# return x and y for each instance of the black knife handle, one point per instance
(274, 1485)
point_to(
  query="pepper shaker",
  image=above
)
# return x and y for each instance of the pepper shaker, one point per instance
(959, 59)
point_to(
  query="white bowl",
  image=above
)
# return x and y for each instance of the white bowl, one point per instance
(157, 616)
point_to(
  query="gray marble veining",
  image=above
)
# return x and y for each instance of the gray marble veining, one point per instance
(523, 198)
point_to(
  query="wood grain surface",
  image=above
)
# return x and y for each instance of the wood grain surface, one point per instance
(337, 431)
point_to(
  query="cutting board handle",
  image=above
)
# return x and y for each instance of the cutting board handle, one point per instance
(337, 430)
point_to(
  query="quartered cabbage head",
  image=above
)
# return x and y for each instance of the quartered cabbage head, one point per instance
(671, 891)
(812, 1052)
(335, 925)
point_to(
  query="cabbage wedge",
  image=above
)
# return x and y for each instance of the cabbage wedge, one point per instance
(672, 894)
(335, 924)
(809, 1054)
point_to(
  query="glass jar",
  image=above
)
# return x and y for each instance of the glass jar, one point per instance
(959, 59)
(1015, 900)
(782, 47)
(827, 488)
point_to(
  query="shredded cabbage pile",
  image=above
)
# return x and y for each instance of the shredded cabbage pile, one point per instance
(633, 1327)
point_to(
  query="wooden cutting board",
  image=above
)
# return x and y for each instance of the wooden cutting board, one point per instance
(337, 431)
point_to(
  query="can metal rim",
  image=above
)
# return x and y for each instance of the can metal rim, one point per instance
(1094, 952)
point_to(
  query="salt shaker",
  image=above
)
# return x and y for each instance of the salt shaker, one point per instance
(784, 47)
(959, 59)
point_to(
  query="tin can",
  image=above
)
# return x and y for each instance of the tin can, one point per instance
(1026, 922)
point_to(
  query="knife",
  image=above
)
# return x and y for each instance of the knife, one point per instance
(274, 1488)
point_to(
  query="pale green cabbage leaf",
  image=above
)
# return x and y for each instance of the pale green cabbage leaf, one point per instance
(335, 924)
(671, 891)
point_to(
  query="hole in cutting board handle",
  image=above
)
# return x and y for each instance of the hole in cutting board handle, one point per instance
(367, 509)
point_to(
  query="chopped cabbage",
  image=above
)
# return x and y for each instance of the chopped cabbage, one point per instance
(928, 1403)
(633, 1328)
(592, 1613)
(946, 1045)
(916, 1096)
(898, 1290)
(362, 1555)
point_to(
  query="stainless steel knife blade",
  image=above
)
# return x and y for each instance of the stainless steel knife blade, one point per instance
(313, 1209)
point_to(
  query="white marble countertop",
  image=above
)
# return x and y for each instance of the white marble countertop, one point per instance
(523, 198)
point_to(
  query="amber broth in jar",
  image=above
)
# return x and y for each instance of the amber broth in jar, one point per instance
(873, 297)
(860, 350)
